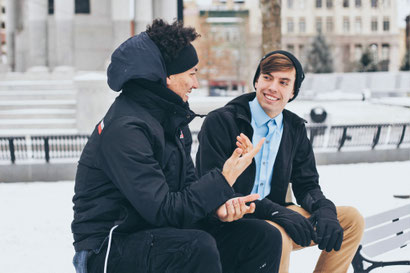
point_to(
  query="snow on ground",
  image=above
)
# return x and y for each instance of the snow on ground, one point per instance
(35, 234)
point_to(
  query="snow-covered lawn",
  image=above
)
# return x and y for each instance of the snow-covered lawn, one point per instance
(35, 234)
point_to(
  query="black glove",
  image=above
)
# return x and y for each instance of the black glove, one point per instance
(328, 229)
(298, 227)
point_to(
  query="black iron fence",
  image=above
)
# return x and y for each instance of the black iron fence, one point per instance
(41, 147)
(322, 137)
(359, 136)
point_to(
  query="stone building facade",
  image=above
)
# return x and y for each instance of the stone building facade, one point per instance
(49, 35)
(350, 28)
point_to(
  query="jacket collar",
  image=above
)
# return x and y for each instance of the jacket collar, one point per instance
(241, 104)
(243, 111)
(162, 103)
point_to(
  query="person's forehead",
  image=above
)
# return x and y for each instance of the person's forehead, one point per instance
(288, 74)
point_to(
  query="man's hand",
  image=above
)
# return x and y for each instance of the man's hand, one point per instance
(244, 143)
(328, 229)
(240, 160)
(235, 208)
(297, 226)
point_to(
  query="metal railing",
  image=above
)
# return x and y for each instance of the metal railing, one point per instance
(41, 147)
(323, 137)
(359, 136)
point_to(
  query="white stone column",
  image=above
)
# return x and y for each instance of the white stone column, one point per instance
(167, 10)
(61, 40)
(36, 26)
(143, 14)
(121, 20)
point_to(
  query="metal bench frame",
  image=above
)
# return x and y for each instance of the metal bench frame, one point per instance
(383, 232)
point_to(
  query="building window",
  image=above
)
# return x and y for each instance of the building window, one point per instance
(374, 3)
(318, 3)
(302, 4)
(358, 51)
(386, 24)
(358, 25)
(291, 48)
(291, 26)
(385, 52)
(329, 4)
(346, 24)
(346, 53)
(290, 4)
(50, 7)
(3, 10)
(301, 51)
(374, 24)
(358, 3)
(319, 25)
(345, 3)
(82, 6)
(329, 24)
(3, 25)
(302, 25)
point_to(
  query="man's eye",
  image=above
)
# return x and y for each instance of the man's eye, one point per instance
(285, 83)
(266, 77)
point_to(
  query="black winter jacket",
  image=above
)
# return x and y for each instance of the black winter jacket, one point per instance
(136, 170)
(294, 163)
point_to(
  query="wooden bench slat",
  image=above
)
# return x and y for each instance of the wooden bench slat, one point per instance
(386, 245)
(389, 229)
(387, 216)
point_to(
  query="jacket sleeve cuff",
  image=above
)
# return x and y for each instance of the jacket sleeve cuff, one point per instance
(310, 200)
(214, 190)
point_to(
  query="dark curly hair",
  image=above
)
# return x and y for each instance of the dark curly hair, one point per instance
(170, 39)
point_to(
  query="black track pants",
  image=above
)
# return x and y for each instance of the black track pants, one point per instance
(248, 246)
(244, 246)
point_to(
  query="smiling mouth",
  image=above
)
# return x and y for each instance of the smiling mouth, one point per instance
(270, 98)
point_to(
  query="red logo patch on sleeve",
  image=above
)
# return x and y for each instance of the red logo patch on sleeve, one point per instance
(100, 127)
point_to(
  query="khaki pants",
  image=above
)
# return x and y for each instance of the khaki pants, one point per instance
(352, 223)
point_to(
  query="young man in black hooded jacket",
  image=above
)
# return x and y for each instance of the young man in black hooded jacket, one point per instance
(137, 198)
(286, 156)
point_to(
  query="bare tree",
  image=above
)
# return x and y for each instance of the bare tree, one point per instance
(271, 25)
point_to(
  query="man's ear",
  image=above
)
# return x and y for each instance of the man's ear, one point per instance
(169, 80)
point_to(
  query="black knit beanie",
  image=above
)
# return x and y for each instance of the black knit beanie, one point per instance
(186, 59)
(300, 75)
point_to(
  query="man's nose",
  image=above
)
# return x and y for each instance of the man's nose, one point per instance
(195, 85)
(274, 85)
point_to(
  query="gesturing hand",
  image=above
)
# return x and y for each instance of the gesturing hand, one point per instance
(240, 160)
(235, 208)
(244, 143)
